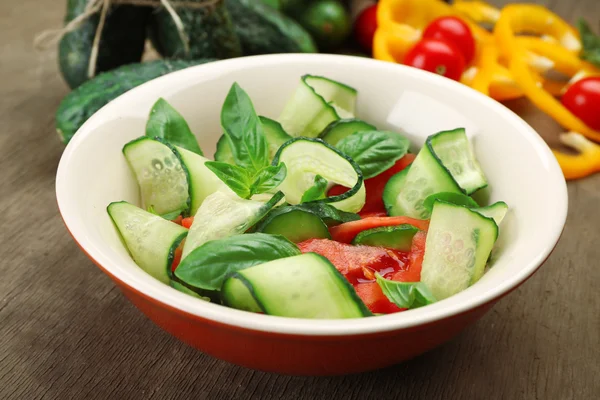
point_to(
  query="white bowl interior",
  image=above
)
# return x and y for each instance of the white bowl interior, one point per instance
(519, 166)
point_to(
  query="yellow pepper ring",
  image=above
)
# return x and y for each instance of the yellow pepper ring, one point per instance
(536, 19)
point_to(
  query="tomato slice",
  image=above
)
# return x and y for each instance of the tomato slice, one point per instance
(370, 293)
(371, 214)
(187, 222)
(417, 250)
(177, 220)
(346, 232)
(375, 185)
(177, 257)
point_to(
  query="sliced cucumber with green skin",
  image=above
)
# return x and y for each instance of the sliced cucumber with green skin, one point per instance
(449, 197)
(496, 211)
(150, 239)
(456, 154)
(222, 215)
(337, 130)
(317, 102)
(303, 221)
(304, 158)
(274, 134)
(202, 181)
(392, 190)
(392, 237)
(458, 245)
(162, 178)
(304, 286)
(425, 177)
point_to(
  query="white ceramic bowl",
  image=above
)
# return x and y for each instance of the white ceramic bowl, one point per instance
(519, 165)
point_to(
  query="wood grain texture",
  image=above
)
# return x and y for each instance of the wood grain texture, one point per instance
(66, 332)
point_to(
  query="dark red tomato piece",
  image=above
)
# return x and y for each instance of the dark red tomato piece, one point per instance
(187, 222)
(375, 185)
(177, 257)
(454, 30)
(365, 27)
(346, 232)
(370, 293)
(177, 220)
(353, 261)
(437, 56)
(371, 214)
(417, 250)
(582, 98)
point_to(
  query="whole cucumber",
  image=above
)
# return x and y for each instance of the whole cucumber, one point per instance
(121, 41)
(209, 30)
(88, 98)
(263, 30)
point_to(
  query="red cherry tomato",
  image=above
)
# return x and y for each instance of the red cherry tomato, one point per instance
(365, 27)
(453, 30)
(437, 56)
(583, 99)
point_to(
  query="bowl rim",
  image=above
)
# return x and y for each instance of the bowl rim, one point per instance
(167, 296)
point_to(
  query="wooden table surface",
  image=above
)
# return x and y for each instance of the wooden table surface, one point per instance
(66, 332)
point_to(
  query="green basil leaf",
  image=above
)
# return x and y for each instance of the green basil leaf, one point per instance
(590, 42)
(405, 294)
(235, 177)
(268, 178)
(374, 151)
(317, 191)
(244, 131)
(207, 266)
(166, 123)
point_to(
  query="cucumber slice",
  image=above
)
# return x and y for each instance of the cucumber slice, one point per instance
(449, 197)
(455, 152)
(392, 190)
(303, 221)
(458, 245)
(496, 211)
(316, 102)
(425, 177)
(304, 286)
(150, 239)
(274, 134)
(162, 178)
(305, 158)
(222, 215)
(337, 130)
(392, 237)
(184, 289)
(202, 181)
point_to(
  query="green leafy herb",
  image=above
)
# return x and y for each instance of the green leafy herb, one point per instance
(245, 184)
(166, 123)
(374, 151)
(244, 130)
(590, 42)
(406, 294)
(235, 177)
(317, 191)
(209, 265)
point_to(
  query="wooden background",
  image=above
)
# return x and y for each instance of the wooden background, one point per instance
(66, 332)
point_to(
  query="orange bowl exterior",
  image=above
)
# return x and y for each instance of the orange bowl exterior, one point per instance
(301, 355)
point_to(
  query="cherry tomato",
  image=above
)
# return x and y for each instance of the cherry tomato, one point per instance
(365, 27)
(438, 56)
(453, 30)
(583, 99)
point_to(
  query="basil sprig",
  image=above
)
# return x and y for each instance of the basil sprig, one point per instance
(405, 294)
(252, 173)
(166, 123)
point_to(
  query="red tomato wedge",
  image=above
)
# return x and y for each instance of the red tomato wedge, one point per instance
(177, 257)
(374, 186)
(177, 220)
(417, 250)
(187, 222)
(370, 293)
(346, 232)
(371, 214)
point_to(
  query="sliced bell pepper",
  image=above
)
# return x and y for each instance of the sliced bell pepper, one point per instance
(580, 165)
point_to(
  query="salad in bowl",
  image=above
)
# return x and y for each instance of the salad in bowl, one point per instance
(317, 214)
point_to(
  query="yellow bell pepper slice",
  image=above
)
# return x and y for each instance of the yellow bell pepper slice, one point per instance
(477, 11)
(583, 164)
